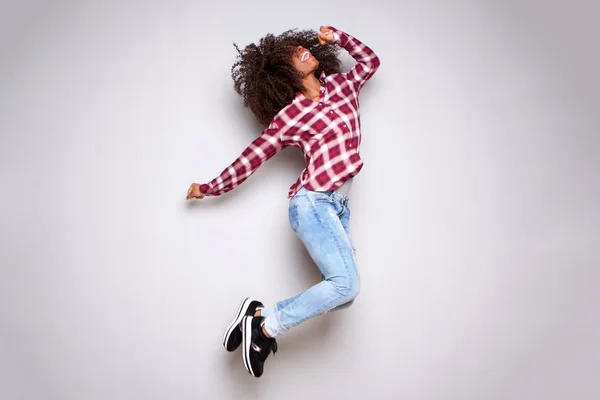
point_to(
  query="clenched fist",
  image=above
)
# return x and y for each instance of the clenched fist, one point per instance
(325, 35)
(194, 192)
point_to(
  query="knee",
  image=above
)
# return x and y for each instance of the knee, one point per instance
(349, 295)
(347, 289)
(354, 291)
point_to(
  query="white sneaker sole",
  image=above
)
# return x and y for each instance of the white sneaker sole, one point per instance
(246, 343)
(236, 321)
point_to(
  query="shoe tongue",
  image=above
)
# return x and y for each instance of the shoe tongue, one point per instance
(261, 339)
(261, 334)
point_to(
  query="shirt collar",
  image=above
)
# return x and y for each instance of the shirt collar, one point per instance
(307, 102)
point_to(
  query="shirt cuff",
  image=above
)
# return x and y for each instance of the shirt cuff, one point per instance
(338, 36)
(205, 189)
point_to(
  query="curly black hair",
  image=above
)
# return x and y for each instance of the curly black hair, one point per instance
(264, 76)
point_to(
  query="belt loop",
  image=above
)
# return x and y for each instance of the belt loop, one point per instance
(335, 196)
(342, 198)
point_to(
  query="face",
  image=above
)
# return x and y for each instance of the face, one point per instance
(304, 62)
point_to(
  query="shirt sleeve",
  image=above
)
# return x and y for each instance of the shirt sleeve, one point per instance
(367, 61)
(257, 153)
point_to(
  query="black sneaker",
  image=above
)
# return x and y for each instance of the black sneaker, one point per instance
(257, 346)
(233, 334)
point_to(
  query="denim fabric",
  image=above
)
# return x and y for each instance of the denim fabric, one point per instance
(322, 222)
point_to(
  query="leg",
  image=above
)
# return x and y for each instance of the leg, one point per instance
(265, 312)
(316, 219)
(345, 220)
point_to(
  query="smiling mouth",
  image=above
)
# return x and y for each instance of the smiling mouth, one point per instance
(305, 56)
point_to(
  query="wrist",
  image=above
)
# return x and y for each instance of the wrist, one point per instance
(339, 37)
(336, 37)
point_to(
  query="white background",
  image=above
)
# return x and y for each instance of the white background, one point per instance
(476, 216)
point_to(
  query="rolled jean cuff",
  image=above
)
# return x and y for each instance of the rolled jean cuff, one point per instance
(272, 325)
(266, 311)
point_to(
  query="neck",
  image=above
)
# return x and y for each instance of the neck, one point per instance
(311, 87)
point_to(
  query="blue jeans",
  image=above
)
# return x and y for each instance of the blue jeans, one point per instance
(322, 222)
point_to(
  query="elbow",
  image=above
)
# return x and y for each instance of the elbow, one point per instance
(372, 67)
(376, 63)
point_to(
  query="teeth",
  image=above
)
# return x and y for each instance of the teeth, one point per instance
(305, 56)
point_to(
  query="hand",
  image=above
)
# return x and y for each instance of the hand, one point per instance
(194, 192)
(325, 35)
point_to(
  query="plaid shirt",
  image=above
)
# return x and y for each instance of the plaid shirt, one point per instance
(327, 131)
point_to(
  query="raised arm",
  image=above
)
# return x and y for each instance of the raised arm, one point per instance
(367, 61)
(260, 150)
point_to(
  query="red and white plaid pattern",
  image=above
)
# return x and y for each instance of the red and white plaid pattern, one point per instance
(327, 131)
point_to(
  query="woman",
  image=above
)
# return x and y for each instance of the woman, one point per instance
(304, 101)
